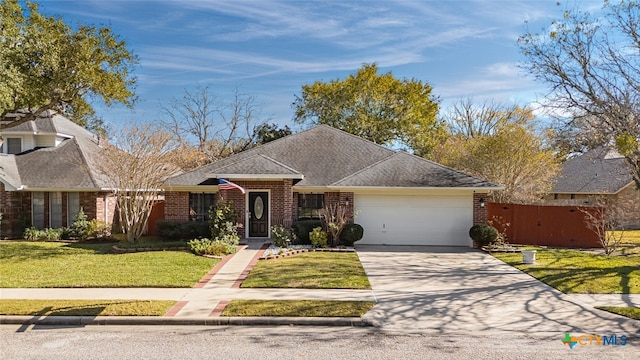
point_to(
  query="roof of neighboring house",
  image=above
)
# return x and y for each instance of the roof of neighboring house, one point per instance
(326, 156)
(74, 164)
(599, 171)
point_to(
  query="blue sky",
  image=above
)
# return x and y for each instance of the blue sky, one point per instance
(269, 49)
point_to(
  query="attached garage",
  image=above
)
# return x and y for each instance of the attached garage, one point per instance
(442, 220)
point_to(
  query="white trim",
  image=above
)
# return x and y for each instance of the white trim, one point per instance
(247, 217)
(193, 188)
(332, 188)
(255, 176)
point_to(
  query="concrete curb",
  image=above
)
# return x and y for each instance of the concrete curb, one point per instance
(163, 320)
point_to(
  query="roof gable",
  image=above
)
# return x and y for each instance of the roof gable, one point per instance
(74, 164)
(256, 165)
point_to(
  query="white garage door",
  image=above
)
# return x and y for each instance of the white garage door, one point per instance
(415, 220)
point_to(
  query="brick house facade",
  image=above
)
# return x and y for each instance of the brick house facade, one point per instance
(17, 209)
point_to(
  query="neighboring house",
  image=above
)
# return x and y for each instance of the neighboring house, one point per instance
(48, 171)
(398, 198)
(598, 174)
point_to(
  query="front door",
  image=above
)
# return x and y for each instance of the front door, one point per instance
(258, 214)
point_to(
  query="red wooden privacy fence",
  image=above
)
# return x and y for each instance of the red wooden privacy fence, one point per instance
(562, 226)
(157, 213)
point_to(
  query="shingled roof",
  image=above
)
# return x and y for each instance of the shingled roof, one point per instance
(74, 164)
(599, 171)
(327, 157)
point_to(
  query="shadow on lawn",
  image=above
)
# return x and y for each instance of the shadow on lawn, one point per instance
(560, 277)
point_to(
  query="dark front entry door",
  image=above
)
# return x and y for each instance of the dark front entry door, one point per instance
(258, 214)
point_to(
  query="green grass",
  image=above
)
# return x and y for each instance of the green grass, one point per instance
(85, 307)
(312, 308)
(630, 243)
(581, 272)
(628, 311)
(313, 270)
(52, 264)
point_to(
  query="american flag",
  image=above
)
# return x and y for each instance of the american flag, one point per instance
(228, 185)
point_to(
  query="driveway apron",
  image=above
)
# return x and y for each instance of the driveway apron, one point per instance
(461, 290)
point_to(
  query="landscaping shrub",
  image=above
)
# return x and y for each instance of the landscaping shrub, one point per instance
(98, 229)
(33, 234)
(302, 228)
(211, 247)
(80, 226)
(281, 236)
(350, 234)
(318, 237)
(173, 230)
(483, 234)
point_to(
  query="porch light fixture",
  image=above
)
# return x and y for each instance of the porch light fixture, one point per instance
(346, 201)
(481, 201)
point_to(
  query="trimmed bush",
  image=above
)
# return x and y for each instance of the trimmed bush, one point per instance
(33, 234)
(80, 226)
(302, 229)
(350, 234)
(211, 247)
(173, 230)
(281, 236)
(483, 234)
(318, 237)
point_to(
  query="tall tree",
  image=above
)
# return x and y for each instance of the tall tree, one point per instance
(136, 165)
(46, 65)
(266, 132)
(377, 107)
(592, 65)
(208, 128)
(498, 143)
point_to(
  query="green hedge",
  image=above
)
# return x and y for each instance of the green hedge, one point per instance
(483, 234)
(350, 234)
(302, 229)
(173, 230)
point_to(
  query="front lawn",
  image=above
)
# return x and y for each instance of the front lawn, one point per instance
(581, 272)
(628, 311)
(310, 308)
(313, 270)
(630, 243)
(85, 307)
(54, 264)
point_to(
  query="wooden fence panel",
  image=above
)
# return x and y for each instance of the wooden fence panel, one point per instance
(561, 226)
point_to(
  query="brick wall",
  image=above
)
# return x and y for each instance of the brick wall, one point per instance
(15, 207)
(16, 210)
(281, 201)
(479, 212)
(176, 206)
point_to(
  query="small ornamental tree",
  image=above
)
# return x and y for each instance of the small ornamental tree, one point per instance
(602, 219)
(137, 169)
(335, 218)
(223, 223)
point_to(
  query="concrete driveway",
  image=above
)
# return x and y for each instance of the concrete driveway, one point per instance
(461, 290)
